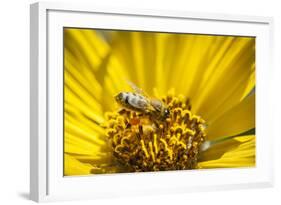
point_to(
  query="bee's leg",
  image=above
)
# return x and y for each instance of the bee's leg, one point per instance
(128, 125)
(121, 110)
(156, 124)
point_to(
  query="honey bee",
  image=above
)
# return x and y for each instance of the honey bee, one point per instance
(140, 102)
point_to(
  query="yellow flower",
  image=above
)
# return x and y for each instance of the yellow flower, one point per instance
(207, 82)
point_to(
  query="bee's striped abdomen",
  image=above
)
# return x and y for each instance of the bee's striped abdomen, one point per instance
(132, 101)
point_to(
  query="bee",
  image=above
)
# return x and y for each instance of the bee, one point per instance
(139, 102)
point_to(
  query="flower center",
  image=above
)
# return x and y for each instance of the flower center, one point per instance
(141, 143)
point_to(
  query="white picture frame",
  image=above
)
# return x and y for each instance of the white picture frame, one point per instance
(47, 182)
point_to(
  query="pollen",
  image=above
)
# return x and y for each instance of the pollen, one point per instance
(140, 143)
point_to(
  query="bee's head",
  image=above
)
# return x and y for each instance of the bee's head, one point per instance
(119, 97)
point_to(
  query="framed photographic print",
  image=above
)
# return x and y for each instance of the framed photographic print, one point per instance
(129, 101)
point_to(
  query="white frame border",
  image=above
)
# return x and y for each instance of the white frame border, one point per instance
(38, 84)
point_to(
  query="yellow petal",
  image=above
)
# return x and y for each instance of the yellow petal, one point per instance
(234, 152)
(137, 52)
(237, 120)
(122, 49)
(77, 104)
(86, 46)
(160, 63)
(84, 132)
(141, 54)
(226, 78)
(80, 92)
(82, 75)
(74, 167)
(251, 83)
(191, 63)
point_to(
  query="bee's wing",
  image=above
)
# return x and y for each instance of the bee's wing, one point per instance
(156, 104)
(137, 89)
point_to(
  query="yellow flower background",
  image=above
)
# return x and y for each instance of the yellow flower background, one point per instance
(215, 73)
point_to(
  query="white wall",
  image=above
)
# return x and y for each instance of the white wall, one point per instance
(14, 101)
